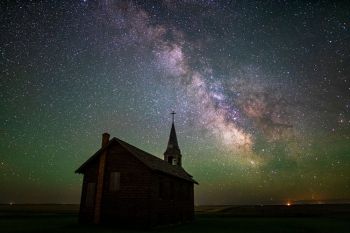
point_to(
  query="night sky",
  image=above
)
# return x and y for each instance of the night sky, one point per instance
(261, 91)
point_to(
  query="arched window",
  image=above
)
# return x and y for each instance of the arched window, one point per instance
(114, 181)
(90, 194)
(161, 191)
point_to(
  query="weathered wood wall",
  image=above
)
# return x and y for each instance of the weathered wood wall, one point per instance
(130, 204)
(86, 213)
(145, 197)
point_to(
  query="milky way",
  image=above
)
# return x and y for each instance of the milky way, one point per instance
(261, 92)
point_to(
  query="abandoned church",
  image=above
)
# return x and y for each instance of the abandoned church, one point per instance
(123, 184)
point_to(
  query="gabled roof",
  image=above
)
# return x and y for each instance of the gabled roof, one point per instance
(151, 161)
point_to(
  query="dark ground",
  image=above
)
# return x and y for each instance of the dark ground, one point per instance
(303, 218)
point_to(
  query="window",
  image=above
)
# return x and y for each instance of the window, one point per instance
(189, 191)
(161, 190)
(90, 194)
(185, 191)
(114, 181)
(171, 190)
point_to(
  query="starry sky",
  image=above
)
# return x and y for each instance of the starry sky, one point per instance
(261, 90)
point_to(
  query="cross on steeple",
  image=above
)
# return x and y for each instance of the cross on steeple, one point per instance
(173, 115)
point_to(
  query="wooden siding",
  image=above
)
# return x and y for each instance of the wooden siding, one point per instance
(86, 213)
(144, 198)
(176, 204)
(129, 204)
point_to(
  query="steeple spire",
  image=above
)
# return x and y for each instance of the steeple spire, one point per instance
(173, 154)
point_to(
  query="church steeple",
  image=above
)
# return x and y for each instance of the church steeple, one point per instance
(173, 154)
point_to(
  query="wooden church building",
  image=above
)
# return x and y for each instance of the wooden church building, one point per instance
(125, 185)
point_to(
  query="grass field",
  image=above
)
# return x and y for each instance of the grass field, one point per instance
(52, 219)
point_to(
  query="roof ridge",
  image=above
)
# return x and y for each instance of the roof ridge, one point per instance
(151, 161)
(164, 163)
(153, 156)
(138, 149)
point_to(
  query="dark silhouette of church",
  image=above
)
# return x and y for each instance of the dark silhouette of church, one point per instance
(125, 185)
